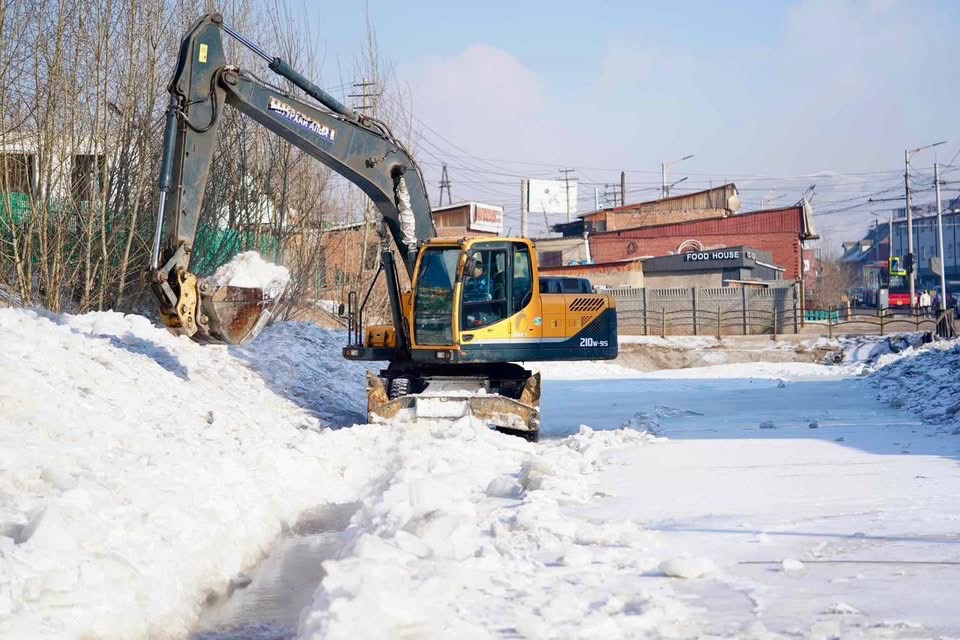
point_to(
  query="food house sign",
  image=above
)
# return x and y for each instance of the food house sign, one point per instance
(719, 254)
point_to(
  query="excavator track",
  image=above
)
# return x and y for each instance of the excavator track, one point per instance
(504, 396)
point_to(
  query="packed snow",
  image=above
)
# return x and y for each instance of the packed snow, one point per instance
(250, 270)
(142, 476)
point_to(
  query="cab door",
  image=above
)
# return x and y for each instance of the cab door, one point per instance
(527, 321)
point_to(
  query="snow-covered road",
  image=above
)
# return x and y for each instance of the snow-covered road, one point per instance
(140, 474)
(850, 527)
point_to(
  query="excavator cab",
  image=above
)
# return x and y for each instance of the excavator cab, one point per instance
(473, 313)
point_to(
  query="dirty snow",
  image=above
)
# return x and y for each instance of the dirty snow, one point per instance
(249, 269)
(140, 474)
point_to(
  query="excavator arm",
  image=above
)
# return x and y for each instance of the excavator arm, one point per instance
(359, 148)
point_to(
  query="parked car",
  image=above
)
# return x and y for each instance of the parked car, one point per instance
(562, 284)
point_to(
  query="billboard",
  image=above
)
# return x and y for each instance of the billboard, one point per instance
(551, 196)
(485, 217)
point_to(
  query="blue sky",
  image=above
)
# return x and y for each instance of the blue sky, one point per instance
(773, 95)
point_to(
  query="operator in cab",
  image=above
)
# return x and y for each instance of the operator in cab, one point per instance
(476, 284)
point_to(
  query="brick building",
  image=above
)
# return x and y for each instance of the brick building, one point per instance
(779, 232)
(718, 202)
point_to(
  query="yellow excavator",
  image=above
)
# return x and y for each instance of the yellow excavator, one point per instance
(475, 308)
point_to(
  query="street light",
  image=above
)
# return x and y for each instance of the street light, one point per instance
(782, 195)
(911, 276)
(664, 187)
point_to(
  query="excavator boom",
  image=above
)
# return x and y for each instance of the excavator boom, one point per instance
(357, 147)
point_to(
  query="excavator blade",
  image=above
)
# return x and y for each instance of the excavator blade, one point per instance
(516, 416)
(215, 314)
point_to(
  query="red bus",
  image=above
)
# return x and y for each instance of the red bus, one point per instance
(899, 289)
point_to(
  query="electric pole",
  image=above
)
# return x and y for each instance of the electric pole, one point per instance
(909, 256)
(912, 269)
(943, 258)
(369, 95)
(445, 184)
(664, 187)
(566, 179)
(525, 208)
(623, 188)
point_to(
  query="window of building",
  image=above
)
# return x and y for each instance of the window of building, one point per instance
(551, 258)
(17, 172)
(86, 176)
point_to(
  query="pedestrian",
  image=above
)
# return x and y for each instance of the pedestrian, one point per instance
(925, 303)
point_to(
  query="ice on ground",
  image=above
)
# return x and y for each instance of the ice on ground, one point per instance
(250, 270)
(687, 568)
(791, 564)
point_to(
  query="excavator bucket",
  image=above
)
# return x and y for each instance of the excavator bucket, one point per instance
(517, 416)
(211, 313)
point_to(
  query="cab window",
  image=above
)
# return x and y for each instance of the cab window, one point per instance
(522, 277)
(484, 297)
(433, 304)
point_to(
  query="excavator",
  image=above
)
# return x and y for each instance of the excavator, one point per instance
(474, 308)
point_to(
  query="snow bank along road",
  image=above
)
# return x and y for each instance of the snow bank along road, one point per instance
(140, 473)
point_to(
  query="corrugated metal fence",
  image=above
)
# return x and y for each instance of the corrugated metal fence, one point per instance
(716, 311)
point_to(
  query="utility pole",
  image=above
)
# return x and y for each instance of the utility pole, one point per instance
(909, 256)
(911, 275)
(566, 179)
(445, 184)
(369, 94)
(664, 187)
(623, 189)
(596, 198)
(525, 208)
(943, 258)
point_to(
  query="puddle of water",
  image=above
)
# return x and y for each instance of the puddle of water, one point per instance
(269, 607)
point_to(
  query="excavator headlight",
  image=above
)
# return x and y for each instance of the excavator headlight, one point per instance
(443, 355)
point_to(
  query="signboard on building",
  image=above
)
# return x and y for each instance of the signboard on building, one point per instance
(551, 196)
(719, 254)
(487, 218)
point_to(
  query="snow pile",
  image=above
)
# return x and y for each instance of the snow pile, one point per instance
(472, 541)
(790, 371)
(249, 270)
(867, 349)
(924, 380)
(140, 473)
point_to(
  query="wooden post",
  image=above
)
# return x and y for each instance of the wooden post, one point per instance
(774, 320)
(881, 321)
(719, 312)
(829, 325)
(663, 322)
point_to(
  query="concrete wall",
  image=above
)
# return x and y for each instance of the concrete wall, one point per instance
(696, 311)
(701, 279)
